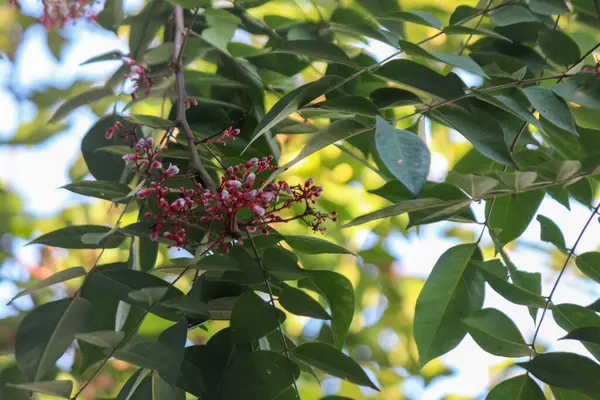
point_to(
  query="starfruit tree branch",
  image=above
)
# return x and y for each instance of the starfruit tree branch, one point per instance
(559, 277)
(181, 120)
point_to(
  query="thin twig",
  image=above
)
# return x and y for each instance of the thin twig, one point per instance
(181, 120)
(286, 350)
(560, 275)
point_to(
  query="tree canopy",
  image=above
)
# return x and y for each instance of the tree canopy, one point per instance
(250, 167)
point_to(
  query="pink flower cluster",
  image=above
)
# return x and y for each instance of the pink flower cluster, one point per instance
(123, 132)
(228, 133)
(139, 75)
(241, 203)
(145, 158)
(59, 12)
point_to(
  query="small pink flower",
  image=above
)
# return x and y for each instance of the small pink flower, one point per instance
(154, 233)
(252, 162)
(128, 61)
(110, 132)
(224, 194)
(143, 193)
(251, 229)
(156, 164)
(233, 184)
(258, 210)
(130, 157)
(178, 204)
(149, 143)
(172, 170)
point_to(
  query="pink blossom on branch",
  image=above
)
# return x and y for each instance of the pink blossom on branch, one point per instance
(60, 12)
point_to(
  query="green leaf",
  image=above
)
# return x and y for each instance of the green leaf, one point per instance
(475, 185)
(520, 387)
(548, 7)
(338, 291)
(512, 14)
(389, 97)
(465, 30)
(106, 190)
(253, 318)
(111, 15)
(174, 338)
(483, 131)
(315, 49)
(452, 292)
(589, 264)
(147, 354)
(559, 47)
(331, 360)
(291, 102)
(354, 105)
(119, 283)
(514, 293)
(79, 100)
(566, 394)
(103, 166)
(298, 302)
(589, 334)
(426, 83)
(550, 232)
(70, 237)
(566, 370)
(60, 276)
(512, 214)
(47, 331)
(159, 54)
(149, 120)
(339, 130)
(572, 316)
(583, 89)
(551, 107)
(559, 170)
(517, 181)
(404, 207)
(145, 25)
(461, 62)
(114, 55)
(496, 333)
(416, 17)
(282, 264)
(404, 153)
(314, 245)
(260, 375)
(58, 388)
(103, 339)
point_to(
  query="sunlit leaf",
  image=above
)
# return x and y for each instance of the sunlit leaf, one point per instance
(452, 292)
(496, 333)
(60, 276)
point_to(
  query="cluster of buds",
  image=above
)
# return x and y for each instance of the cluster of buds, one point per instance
(228, 133)
(124, 133)
(190, 102)
(59, 12)
(241, 203)
(139, 75)
(145, 157)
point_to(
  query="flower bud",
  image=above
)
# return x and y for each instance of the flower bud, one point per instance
(110, 132)
(258, 210)
(309, 182)
(156, 164)
(130, 157)
(233, 184)
(172, 170)
(143, 193)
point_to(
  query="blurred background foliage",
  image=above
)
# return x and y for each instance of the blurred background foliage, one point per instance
(381, 333)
